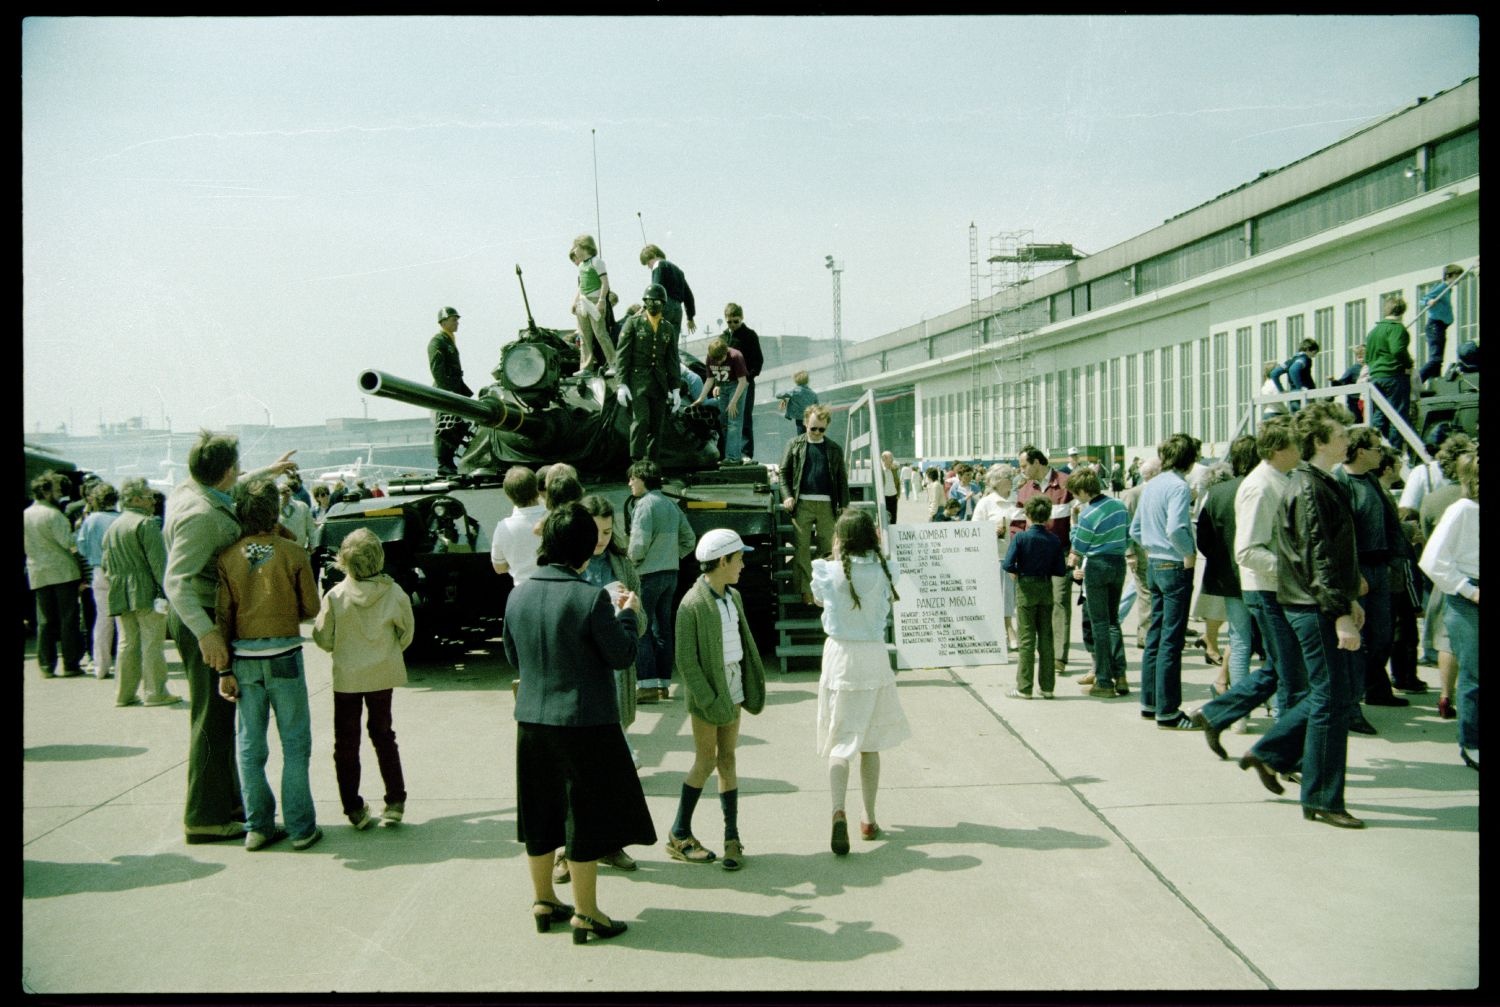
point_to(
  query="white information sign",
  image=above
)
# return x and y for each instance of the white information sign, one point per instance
(949, 612)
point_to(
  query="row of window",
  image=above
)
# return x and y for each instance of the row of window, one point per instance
(1178, 388)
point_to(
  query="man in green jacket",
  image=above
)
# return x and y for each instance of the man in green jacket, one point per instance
(1388, 356)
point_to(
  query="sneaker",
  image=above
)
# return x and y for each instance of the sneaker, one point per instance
(1046, 694)
(734, 855)
(362, 819)
(620, 861)
(1089, 680)
(560, 873)
(308, 841)
(1018, 694)
(1181, 722)
(197, 834)
(393, 812)
(166, 699)
(260, 840)
(689, 851)
(132, 701)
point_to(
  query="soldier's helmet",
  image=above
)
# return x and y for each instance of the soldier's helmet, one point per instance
(447, 313)
(655, 292)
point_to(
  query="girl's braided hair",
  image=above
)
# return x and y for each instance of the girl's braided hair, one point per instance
(856, 535)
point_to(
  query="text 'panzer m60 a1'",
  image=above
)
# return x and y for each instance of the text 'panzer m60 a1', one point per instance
(539, 412)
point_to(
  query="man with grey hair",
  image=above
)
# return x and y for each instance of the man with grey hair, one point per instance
(200, 523)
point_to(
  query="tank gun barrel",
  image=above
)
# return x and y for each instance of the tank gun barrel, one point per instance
(486, 410)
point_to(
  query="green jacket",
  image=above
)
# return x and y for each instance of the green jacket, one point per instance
(647, 361)
(1387, 352)
(135, 561)
(700, 657)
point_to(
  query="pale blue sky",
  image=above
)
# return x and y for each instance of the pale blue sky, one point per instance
(225, 218)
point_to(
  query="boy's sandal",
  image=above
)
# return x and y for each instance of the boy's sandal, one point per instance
(689, 850)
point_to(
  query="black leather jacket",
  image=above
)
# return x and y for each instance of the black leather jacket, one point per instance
(1317, 562)
(795, 457)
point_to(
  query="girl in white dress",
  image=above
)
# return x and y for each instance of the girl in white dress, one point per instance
(858, 710)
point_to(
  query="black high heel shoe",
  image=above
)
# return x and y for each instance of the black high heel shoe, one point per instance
(552, 912)
(599, 930)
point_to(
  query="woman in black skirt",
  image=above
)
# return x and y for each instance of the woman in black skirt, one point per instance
(577, 787)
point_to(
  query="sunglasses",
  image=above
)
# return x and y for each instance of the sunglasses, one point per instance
(816, 430)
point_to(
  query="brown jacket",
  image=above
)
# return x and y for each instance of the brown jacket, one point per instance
(266, 588)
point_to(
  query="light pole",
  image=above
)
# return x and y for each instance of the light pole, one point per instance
(837, 268)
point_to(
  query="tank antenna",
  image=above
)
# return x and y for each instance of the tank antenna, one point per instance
(530, 323)
(598, 227)
(638, 220)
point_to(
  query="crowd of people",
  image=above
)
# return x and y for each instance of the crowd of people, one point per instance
(1296, 542)
(1304, 542)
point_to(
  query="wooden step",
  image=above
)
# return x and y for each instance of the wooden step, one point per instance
(799, 650)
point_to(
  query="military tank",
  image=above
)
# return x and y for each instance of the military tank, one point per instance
(437, 530)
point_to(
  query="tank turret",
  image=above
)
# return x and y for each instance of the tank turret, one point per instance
(534, 415)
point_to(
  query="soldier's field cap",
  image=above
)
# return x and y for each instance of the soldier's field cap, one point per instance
(719, 542)
(447, 313)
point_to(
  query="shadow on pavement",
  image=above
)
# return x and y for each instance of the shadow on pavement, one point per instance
(669, 784)
(794, 934)
(1405, 816)
(789, 875)
(1397, 774)
(44, 879)
(482, 835)
(80, 753)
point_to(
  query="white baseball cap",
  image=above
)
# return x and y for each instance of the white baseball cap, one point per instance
(719, 542)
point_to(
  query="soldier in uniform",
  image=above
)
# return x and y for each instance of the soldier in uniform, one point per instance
(647, 361)
(447, 374)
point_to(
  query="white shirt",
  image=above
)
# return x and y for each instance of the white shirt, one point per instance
(515, 543)
(1451, 557)
(1257, 504)
(1419, 482)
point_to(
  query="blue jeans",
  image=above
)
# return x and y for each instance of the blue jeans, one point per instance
(1461, 619)
(1316, 730)
(1397, 391)
(1437, 344)
(1281, 676)
(1238, 617)
(275, 684)
(1103, 582)
(1161, 661)
(654, 651)
(731, 431)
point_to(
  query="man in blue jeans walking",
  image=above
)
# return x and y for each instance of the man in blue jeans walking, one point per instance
(1163, 527)
(1257, 506)
(1317, 585)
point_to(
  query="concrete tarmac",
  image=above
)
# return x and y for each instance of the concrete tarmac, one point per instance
(1028, 845)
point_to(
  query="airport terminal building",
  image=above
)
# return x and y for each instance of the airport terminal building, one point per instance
(1168, 331)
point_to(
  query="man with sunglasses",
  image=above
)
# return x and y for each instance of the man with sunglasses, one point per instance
(647, 362)
(815, 489)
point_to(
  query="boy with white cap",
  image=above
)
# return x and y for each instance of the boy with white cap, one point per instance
(721, 673)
